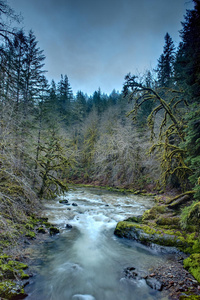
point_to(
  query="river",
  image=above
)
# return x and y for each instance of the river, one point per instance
(87, 261)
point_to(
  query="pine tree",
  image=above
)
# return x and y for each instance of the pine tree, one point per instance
(80, 107)
(165, 63)
(187, 65)
(65, 98)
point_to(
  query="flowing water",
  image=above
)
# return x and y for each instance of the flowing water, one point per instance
(87, 262)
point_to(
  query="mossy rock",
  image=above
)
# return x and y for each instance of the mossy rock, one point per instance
(30, 234)
(63, 201)
(41, 230)
(29, 226)
(168, 221)
(136, 219)
(47, 224)
(192, 264)
(154, 212)
(34, 220)
(43, 219)
(148, 235)
(11, 269)
(53, 230)
(11, 290)
(191, 297)
(23, 275)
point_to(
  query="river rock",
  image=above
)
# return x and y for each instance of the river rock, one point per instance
(74, 204)
(147, 235)
(53, 230)
(83, 297)
(65, 201)
(154, 284)
(68, 226)
(131, 273)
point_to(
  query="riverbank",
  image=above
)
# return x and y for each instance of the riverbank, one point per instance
(15, 257)
(161, 226)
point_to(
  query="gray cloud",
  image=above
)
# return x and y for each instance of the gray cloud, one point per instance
(97, 42)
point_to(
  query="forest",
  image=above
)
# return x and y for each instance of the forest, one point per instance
(145, 138)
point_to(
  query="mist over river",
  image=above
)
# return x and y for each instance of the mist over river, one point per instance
(87, 261)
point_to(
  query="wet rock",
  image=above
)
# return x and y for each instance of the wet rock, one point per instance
(65, 201)
(136, 219)
(154, 284)
(11, 290)
(68, 226)
(131, 273)
(53, 230)
(147, 235)
(74, 204)
(41, 230)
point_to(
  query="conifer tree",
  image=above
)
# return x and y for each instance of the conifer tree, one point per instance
(187, 64)
(165, 63)
(65, 98)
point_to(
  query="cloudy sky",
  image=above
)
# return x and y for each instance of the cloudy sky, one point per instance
(96, 43)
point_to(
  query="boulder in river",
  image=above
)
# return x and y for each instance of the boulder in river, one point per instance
(148, 236)
(65, 201)
(74, 204)
(53, 230)
(68, 226)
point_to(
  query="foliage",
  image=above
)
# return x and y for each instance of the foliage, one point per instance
(52, 162)
(165, 63)
(190, 215)
(171, 129)
(192, 146)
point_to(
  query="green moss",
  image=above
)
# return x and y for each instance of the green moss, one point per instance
(192, 264)
(18, 265)
(29, 226)
(168, 221)
(41, 230)
(154, 212)
(34, 220)
(30, 234)
(191, 297)
(136, 219)
(10, 290)
(23, 275)
(47, 224)
(11, 269)
(149, 234)
(53, 230)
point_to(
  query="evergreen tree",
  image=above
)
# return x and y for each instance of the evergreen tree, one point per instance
(165, 63)
(80, 107)
(187, 65)
(33, 70)
(65, 98)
